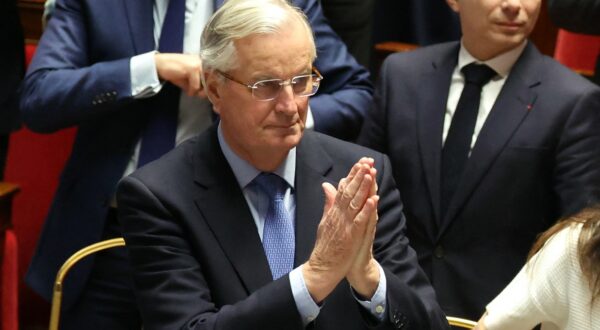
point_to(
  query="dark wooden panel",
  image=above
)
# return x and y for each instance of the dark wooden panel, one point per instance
(545, 32)
(7, 191)
(31, 18)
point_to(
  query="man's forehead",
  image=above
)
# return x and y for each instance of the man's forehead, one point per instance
(273, 55)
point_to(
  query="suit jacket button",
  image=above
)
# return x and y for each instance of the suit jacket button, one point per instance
(396, 320)
(403, 321)
(438, 252)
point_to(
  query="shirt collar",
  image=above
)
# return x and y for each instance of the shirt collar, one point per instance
(502, 63)
(244, 172)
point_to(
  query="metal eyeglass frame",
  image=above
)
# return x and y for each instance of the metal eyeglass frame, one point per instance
(282, 83)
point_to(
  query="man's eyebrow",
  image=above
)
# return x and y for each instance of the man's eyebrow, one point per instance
(268, 76)
(263, 76)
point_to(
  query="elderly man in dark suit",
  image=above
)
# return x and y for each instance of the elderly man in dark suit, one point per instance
(103, 66)
(231, 230)
(484, 167)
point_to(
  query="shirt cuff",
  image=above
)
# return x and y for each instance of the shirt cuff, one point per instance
(377, 303)
(308, 309)
(144, 79)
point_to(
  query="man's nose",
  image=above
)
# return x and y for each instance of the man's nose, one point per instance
(286, 100)
(511, 7)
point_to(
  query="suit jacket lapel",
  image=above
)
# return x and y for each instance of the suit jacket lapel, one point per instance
(215, 179)
(430, 123)
(141, 24)
(312, 164)
(225, 210)
(515, 101)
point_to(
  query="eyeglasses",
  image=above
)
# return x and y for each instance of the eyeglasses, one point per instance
(269, 89)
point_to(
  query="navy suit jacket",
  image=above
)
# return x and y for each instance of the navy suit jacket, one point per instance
(80, 76)
(536, 158)
(198, 259)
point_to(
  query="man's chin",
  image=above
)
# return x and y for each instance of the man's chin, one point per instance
(288, 141)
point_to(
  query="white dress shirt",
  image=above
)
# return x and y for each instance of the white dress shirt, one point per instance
(502, 64)
(195, 114)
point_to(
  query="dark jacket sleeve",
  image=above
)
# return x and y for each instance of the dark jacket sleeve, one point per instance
(167, 271)
(411, 300)
(74, 67)
(346, 92)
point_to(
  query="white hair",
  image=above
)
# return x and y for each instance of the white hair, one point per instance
(237, 19)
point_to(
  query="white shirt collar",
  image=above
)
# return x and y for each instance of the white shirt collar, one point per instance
(244, 172)
(502, 63)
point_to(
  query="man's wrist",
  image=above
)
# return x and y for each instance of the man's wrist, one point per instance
(308, 309)
(365, 283)
(319, 282)
(377, 304)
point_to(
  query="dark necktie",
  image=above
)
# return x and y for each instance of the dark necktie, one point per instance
(160, 132)
(458, 141)
(278, 232)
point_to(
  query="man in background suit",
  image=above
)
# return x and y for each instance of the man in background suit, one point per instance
(352, 20)
(12, 66)
(96, 67)
(531, 154)
(196, 220)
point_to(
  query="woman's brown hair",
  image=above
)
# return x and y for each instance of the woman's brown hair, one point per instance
(588, 246)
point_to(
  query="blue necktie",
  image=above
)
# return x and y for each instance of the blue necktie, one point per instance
(160, 132)
(278, 232)
(458, 141)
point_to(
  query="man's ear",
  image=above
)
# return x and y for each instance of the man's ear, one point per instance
(454, 5)
(212, 83)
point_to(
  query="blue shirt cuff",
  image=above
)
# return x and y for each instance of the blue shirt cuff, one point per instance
(377, 303)
(308, 309)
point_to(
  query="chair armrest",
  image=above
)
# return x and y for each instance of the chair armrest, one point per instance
(7, 192)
